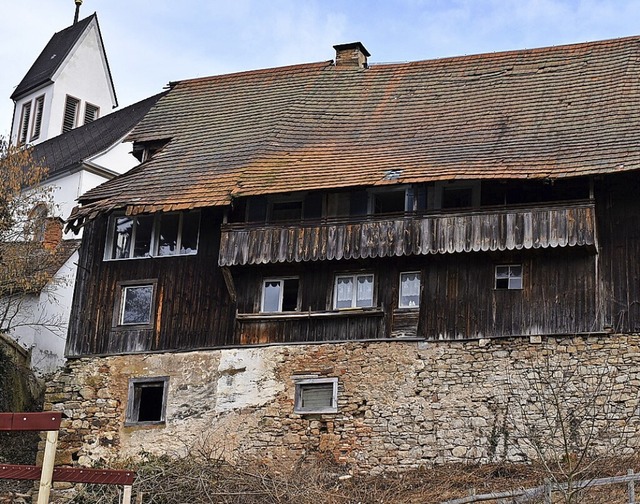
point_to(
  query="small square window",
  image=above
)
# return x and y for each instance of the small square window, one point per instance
(279, 294)
(353, 291)
(136, 302)
(509, 277)
(147, 400)
(316, 395)
(409, 290)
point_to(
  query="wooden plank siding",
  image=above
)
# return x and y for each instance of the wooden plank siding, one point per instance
(192, 310)
(566, 289)
(619, 255)
(492, 229)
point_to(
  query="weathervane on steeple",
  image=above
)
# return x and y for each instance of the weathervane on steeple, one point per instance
(78, 4)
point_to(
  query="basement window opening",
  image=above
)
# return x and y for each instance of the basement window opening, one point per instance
(147, 400)
(316, 395)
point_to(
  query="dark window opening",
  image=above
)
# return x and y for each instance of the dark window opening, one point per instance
(286, 210)
(290, 294)
(147, 400)
(388, 202)
(457, 197)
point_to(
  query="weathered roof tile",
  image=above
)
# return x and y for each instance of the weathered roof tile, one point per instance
(553, 112)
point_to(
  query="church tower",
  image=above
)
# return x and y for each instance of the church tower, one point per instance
(68, 85)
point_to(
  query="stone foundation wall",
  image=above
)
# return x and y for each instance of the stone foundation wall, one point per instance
(400, 404)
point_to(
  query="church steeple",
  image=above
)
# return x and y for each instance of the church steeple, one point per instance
(78, 4)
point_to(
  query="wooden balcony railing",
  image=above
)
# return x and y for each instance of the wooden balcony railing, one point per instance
(485, 229)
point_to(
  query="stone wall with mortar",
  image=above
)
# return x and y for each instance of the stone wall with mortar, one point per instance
(400, 404)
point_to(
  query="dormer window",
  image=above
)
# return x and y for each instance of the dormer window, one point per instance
(167, 234)
(90, 113)
(25, 118)
(70, 120)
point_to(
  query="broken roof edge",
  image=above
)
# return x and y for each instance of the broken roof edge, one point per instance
(82, 214)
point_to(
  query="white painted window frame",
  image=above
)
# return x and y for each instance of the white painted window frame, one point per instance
(281, 280)
(354, 295)
(310, 382)
(400, 305)
(155, 237)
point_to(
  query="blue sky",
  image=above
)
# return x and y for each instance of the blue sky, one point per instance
(152, 42)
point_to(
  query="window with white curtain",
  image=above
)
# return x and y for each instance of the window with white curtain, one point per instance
(353, 291)
(409, 290)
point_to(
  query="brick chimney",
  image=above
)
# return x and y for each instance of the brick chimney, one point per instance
(52, 233)
(350, 56)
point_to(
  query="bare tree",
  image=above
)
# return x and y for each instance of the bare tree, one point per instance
(569, 416)
(27, 261)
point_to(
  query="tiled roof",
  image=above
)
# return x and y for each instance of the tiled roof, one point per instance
(68, 151)
(51, 57)
(552, 112)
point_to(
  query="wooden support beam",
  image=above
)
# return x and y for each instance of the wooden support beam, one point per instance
(69, 474)
(48, 421)
(46, 476)
(228, 280)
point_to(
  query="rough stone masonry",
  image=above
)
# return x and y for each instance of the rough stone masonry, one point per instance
(401, 404)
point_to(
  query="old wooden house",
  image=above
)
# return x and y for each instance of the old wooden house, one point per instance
(312, 243)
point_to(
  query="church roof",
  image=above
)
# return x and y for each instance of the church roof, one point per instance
(52, 56)
(68, 151)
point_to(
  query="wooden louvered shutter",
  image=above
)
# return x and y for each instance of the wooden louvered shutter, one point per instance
(90, 113)
(24, 125)
(70, 114)
(37, 123)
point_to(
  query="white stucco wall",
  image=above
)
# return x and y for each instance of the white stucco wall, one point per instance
(43, 320)
(118, 158)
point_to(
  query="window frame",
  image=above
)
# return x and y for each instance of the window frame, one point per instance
(133, 402)
(509, 277)
(374, 192)
(402, 273)
(119, 305)
(354, 298)
(280, 279)
(154, 245)
(310, 382)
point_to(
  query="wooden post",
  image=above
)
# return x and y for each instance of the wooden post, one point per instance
(126, 495)
(46, 477)
(547, 492)
(631, 488)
